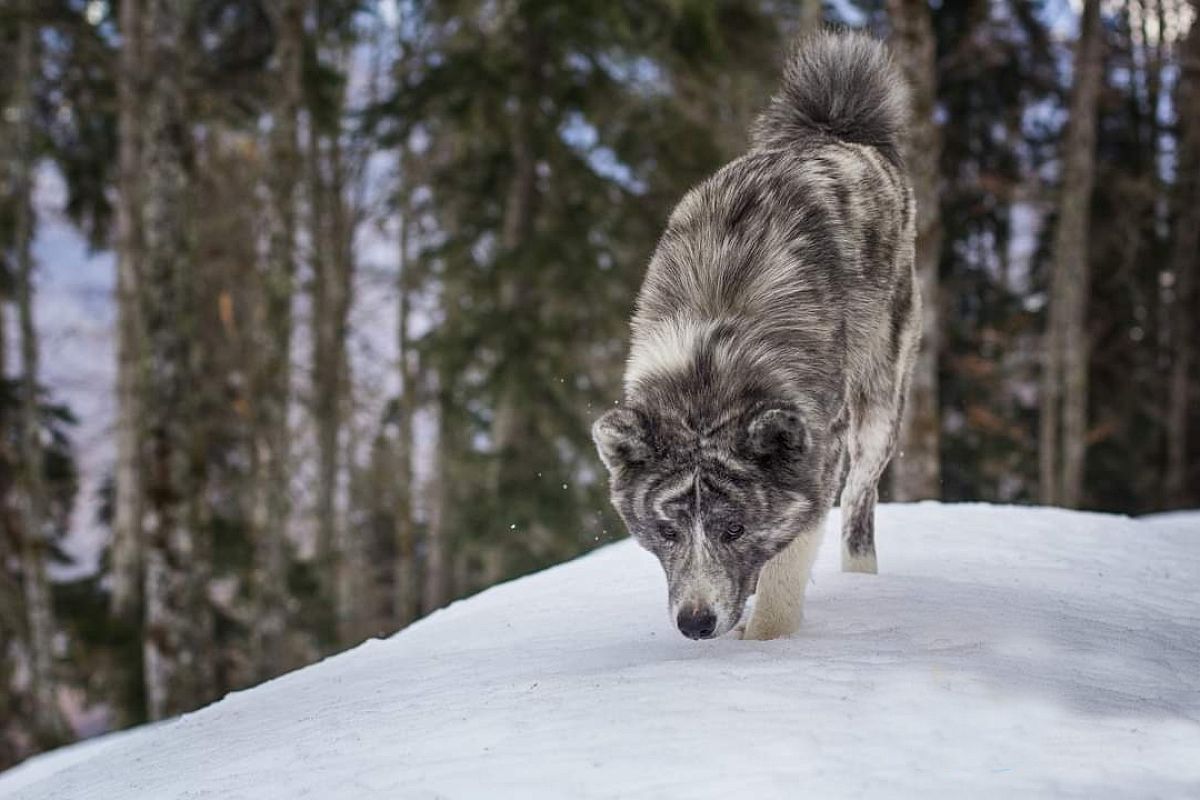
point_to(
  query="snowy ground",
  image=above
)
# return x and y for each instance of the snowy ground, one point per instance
(1001, 652)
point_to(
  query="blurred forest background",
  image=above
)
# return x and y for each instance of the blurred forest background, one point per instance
(370, 266)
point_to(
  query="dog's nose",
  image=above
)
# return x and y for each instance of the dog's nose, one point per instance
(696, 623)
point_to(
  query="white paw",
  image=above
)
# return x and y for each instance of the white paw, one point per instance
(762, 630)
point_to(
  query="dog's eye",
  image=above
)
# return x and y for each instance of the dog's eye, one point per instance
(667, 533)
(733, 531)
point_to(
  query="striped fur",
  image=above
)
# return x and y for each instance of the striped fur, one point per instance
(771, 345)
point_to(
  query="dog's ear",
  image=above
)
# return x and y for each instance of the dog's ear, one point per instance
(622, 437)
(777, 432)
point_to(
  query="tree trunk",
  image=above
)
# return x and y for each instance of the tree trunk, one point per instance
(352, 585)
(12, 594)
(1065, 371)
(270, 436)
(1048, 413)
(407, 582)
(333, 265)
(127, 512)
(343, 217)
(1184, 259)
(322, 392)
(435, 585)
(47, 721)
(175, 608)
(916, 472)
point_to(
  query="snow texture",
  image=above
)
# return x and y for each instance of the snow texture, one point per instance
(1000, 652)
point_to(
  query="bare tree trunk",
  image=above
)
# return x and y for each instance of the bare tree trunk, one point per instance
(271, 453)
(407, 591)
(1048, 414)
(175, 610)
(12, 594)
(463, 570)
(331, 303)
(435, 583)
(1065, 371)
(39, 609)
(1184, 259)
(322, 392)
(916, 471)
(352, 589)
(348, 568)
(127, 517)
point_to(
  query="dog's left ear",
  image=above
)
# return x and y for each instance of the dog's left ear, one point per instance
(778, 433)
(622, 438)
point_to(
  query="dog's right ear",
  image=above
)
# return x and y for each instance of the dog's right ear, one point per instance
(622, 437)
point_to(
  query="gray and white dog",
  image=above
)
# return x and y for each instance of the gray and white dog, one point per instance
(772, 341)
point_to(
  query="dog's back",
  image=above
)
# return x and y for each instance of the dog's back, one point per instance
(784, 265)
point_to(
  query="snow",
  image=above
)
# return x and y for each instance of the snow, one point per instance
(1001, 652)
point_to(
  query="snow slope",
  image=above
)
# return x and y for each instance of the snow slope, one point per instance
(1001, 652)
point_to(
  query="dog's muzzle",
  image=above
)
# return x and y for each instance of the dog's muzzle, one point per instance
(696, 623)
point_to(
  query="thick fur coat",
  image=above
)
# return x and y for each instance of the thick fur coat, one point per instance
(771, 347)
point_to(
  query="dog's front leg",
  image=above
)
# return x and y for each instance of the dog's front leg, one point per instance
(779, 602)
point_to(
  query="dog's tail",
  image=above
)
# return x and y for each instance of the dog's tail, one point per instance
(839, 85)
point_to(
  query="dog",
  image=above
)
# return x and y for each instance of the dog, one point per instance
(772, 343)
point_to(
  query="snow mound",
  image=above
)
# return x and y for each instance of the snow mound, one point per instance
(1001, 652)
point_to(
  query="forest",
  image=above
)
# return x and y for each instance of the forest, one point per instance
(372, 263)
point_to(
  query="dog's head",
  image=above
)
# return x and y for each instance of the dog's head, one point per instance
(714, 505)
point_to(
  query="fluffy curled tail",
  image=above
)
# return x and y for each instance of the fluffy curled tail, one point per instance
(839, 85)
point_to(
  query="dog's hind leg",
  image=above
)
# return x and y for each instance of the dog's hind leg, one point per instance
(779, 602)
(874, 429)
(872, 437)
